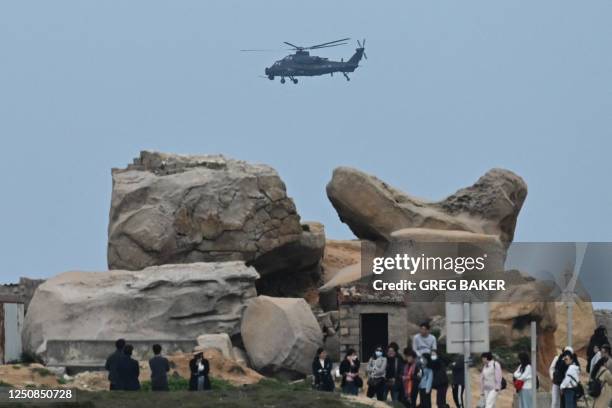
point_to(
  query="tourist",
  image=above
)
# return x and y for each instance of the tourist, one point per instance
(557, 371)
(410, 378)
(129, 370)
(570, 381)
(199, 368)
(349, 370)
(426, 382)
(377, 371)
(605, 353)
(602, 375)
(490, 380)
(440, 380)
(159, 370)
(424, 341)
(458, 370)
(393, 376)
(523, 380)
(599, 337)
(596, 357)
(322, 371)
(112, 364)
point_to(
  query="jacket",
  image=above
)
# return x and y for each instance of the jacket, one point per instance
(572, 376)
(322, 374)
(524, 376)
(196, 373)
(605, 376)
(129, 370)
(346, 368)
(377, 368)
(112, 366)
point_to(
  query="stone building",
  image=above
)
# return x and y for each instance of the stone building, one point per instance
(369, 318)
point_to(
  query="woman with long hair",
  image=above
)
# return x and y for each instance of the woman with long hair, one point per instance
(349, 370)
(523, 381)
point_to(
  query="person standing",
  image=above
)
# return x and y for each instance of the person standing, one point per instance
(393, 377)
(349, 370)
(129, 370)
(426, 382)
(570, 381)
(490, 380)
(424, 341)
(377, 371)
(410, 378)
(112, 365)
(458, 370)
(601, 374)
(159, 370)
(599, 337)
(199, 368)
(440, 380)
(557, 371)
(523, 381)
(322, 371)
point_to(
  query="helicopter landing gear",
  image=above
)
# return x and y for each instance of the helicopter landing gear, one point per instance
(271, 77)
(346, 76)
(282, 80)
(294, 80)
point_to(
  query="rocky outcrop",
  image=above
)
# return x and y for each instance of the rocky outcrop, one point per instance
(604, 318)
(584, 324)
(169, 302)
(169, 209)
(281, 336)
(219, 341)
(373, 210)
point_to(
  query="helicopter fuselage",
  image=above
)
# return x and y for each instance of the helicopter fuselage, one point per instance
(303, 64)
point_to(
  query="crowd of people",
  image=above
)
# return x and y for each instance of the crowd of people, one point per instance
(124, 371)
(411, 376)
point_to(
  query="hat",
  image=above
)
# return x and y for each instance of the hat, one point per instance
(569, 348)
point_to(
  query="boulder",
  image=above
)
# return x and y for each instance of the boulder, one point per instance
(281, 336)
(220, 341)
(169, 302)
(373, 210)
(604, 318)
(584, 325)
(171, 209)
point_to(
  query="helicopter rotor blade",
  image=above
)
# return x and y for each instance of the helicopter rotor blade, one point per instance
(327, 43)
(292, 45)
(264, 50)
(325, 46)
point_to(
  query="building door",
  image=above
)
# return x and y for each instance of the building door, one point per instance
(374, 332)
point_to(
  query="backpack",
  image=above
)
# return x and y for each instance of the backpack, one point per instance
(594, 387)
(578, 389)
(504, 383)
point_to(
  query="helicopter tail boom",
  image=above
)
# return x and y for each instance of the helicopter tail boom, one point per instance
(353, 62)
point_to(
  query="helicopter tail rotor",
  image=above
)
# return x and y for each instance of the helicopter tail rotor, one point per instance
(362, 46)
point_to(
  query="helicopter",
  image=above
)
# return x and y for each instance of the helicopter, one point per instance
(301, 63)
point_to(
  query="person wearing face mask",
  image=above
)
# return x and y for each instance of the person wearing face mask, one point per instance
(395, 369)
(440, 380)
(377, 371)
(426, 382)
(321, 371)
(349, 370)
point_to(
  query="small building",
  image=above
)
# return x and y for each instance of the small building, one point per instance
(369, 318)
(12, 312)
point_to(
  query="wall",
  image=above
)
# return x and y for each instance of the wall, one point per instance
(350, 322)
(12, 322)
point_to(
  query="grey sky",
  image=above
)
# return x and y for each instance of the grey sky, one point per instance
(450, 90)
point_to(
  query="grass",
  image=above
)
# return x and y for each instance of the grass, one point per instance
(43, 372)
(268, 393)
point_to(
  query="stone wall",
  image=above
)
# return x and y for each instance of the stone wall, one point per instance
(350, 324)
(21, 292)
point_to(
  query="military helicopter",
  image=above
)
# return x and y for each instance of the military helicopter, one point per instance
(301, 63)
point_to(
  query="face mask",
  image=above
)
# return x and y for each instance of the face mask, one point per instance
(378, 354)
(434, 357)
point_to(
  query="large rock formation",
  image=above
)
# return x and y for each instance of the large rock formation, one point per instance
(182, 209)
(169, 302)
(584, 325)
(281, 335)
(373, 210)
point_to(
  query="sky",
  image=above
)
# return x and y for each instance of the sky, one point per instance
(450, 90)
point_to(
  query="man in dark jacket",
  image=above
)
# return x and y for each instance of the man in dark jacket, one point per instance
(129, 370)
(440, 380)
(395, 370)
(112, 364)
(159, 370)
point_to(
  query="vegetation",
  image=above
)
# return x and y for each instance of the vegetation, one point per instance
(269, 393)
